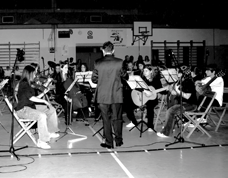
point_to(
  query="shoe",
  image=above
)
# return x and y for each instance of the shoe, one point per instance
(202, 121)
(54, 135)
(119, 144)
(150, 130)
(191, 125)
(130, 125)
(104, 145)
(42, 145)
(161, 135)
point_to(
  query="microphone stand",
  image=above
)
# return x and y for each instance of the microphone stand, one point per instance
(12, 149)
(179, 138)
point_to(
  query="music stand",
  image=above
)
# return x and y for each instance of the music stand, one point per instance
(170, 74)
(98, 119)
(137, 83)
(84, 77)
(69, 118)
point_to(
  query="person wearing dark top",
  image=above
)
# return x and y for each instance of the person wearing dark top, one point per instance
(152, 79)
(63, 83)
(189, 100)
(108, 73)
(60, 96)
(139, 68)
(128, 104)
(32, 107)
(196, 74)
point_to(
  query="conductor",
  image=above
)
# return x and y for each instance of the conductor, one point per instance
(108, 74)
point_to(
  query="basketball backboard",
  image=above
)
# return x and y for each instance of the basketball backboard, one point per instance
(141, 28)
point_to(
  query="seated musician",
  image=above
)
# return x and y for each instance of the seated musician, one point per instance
(196, 74)
(62, 86)
(153, 79)
(60, 89)
(139, 67)
(86, 88)
(128, 105)
(32, 107)
(189, 100)
(216, 84)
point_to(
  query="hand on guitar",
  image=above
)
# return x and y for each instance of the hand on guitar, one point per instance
(174, 89)
(140, 98)
(149, 92)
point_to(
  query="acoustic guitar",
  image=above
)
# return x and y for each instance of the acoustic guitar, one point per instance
(201, 89)
(140, 98)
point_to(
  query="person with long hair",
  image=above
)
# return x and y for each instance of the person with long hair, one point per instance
(139, 67)
(62, 84)
(128, 105)
(32, 107)
(60, 89)
(152, 79)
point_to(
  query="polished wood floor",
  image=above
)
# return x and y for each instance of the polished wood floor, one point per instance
(80, 154)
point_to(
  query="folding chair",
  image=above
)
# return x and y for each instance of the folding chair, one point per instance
(25, 124)
(218, 112)
(57, 106)
(196, 117)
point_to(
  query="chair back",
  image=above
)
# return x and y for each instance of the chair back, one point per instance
(206, 103)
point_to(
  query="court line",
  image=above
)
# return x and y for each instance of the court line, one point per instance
(114, 156)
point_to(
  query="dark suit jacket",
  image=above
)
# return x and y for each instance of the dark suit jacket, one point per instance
(108, 74)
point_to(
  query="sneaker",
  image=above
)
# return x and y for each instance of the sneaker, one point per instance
(161, 135)
(54, 135)
(190, 125)
(150, 130)
(202, 121)
(130, 125)
(43, 145)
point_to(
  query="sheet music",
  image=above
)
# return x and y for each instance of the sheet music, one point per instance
(3, 82)
(85, 77)
(170, 75)
(135, 81)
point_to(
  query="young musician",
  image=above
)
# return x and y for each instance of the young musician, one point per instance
(33, 107)
(139, 68)
(216, 86)
(189, 100)
(128, 105)
(152, 79)
(61, 96)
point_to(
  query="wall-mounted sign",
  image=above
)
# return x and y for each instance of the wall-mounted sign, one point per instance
(52, 50)
(90, 34)
(117, 37)
(64, 34)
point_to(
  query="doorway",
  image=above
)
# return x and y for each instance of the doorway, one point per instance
(88, 54)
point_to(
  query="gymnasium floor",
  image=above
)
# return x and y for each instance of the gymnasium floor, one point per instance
(80, 155)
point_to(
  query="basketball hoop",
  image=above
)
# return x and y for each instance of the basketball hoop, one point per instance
(141, 31)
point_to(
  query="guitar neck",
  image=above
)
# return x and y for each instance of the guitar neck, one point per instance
(161, 89)
(210, 81)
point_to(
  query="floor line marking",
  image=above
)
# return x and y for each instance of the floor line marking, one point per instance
(114, 156)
